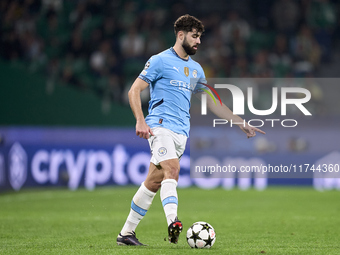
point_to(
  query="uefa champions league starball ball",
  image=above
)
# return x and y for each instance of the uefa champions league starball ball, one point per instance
(201, 235)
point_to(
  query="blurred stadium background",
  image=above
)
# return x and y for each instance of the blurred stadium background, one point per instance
(66, 67)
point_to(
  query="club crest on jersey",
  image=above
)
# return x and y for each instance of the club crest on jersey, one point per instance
(186, 71)
(162, 151)
(194, 73)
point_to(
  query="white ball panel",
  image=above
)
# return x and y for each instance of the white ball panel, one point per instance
(191, 243)
(197, 228)
(200, 243)
(204, 234)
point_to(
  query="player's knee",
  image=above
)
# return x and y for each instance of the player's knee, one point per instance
(171, 169)
(173, 172)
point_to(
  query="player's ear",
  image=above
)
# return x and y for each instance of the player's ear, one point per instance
(180, 35)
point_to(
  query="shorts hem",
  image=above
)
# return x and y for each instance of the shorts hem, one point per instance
(157, 164)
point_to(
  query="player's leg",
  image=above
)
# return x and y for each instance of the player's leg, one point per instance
(163, 173)
(154, 178)
(168, 147)
(169, 197)
(140, 204)
(164, 154)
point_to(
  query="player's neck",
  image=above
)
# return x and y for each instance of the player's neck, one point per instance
(180, 51)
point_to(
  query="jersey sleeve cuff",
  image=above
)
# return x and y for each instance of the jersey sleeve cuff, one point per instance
(144, 78)
(196, 91)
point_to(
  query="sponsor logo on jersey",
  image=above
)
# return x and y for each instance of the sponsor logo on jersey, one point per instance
(176, 69)
(186, 71)
(183, 85)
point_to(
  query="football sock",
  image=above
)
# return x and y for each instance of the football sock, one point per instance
(169, 199)
(140, 204)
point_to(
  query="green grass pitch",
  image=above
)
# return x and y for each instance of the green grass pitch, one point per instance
(275, 221)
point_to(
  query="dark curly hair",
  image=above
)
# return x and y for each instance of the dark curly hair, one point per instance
(187, 23)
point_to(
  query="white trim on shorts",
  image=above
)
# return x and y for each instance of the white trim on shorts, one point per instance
(166, 144)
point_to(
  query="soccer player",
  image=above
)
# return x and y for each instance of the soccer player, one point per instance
(167, 125)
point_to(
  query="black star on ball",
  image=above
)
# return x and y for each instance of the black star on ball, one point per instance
(208, 241)
(195, 236)
(205, 226)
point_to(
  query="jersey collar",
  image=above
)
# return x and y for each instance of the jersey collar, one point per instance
(175, 53)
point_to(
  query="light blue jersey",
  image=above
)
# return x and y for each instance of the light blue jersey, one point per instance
(170, 89)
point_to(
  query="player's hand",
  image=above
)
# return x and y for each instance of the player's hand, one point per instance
(143, 130)
(251, 131)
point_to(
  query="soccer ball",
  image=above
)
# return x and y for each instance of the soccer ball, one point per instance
(201, 235)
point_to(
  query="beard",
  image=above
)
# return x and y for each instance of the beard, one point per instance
(187, 48)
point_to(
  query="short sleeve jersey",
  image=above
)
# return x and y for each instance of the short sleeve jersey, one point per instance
(172, 80)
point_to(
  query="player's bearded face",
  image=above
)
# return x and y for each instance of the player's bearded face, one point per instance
(189, 49)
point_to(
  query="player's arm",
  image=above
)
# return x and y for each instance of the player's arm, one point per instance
(142, 129)
(223, 112)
